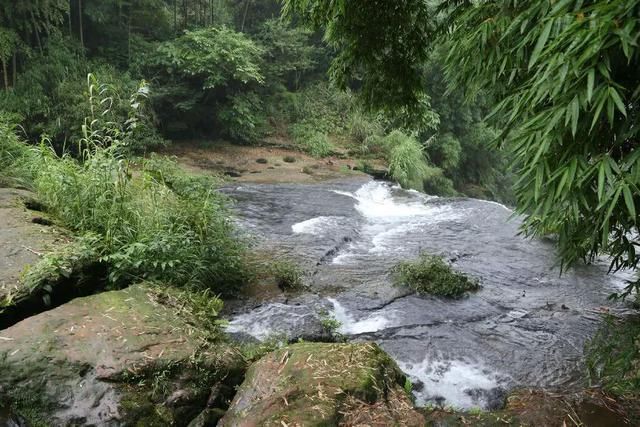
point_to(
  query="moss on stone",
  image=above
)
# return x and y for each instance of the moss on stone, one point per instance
(116, 356)
(314, 384)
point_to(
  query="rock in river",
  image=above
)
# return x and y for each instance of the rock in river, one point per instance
(313, 384)
(129, 357)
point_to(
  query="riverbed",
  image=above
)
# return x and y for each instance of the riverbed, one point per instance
(527, 326)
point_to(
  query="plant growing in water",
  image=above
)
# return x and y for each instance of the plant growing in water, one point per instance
(430, 274)
(288, 275)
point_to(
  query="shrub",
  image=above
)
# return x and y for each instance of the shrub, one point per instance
(288, 275)
(289, 159)
(156, 224)
(430, 274)
(434, 182)
(311, 141)
(13, 156)
(613, 356)
(407, 163)
(364, 130)
(243, 119)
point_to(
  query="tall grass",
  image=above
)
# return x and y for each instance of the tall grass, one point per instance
(407, 162)
(146, 220)
(13, 155)
(154, 222)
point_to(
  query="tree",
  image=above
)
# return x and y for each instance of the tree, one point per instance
(201, 70)
(566, 75)
(381, 44)
(9, 42)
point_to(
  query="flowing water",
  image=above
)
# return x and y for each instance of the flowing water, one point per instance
(527, 326)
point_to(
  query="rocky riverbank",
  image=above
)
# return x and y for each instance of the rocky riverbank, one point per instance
(146, 356)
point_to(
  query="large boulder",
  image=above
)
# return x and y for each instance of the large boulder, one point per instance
(313, 384)
(132, 357)
(22, 243)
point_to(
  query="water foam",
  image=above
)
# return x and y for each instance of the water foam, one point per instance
(390, 216)
(270, 320)
(350, 326)
(460, 384)
(316, 226)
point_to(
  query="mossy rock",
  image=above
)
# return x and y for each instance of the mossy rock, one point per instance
(118, 358)
(318, 384)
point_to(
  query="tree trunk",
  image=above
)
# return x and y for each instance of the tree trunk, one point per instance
(35, 29)
(70, 18)
(129, 34)
(15, 68)
(80, 24)
(175, 16)
(4, 74)
(244, 17)
(185, 11)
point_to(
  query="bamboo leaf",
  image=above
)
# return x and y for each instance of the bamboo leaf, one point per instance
(540, 44)
(628, 200)
(591, 76)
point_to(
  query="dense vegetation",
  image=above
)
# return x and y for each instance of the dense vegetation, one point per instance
(228, 69)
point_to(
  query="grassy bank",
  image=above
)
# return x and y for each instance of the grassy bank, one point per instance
(143, 219)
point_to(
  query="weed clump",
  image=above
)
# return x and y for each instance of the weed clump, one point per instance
(613, 356)
(288, 159)
(430, 274)
(288, 275)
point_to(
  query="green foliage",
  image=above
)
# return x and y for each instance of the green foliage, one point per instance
(330, 324)
(381, 44)
(202, 75)
(365, 130)
(288, 275)
(70, 262)
(407, 163)
(215, 57)
(613, 356)
(566, 76)
(408, 386)
(430, 274)
(289, 53)
(243, 118)
(154, 223)
(13, 155)
(436, 183)
(445, 151)
(311, 141)
(51, 97)
(321, 107)
(254, 351)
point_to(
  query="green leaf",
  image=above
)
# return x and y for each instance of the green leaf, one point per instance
(616, 98)
(601, 175)
(542, 41)
(591, 77)
(575, 113)
(628, 200)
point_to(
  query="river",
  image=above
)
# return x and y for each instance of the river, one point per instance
(527, 326)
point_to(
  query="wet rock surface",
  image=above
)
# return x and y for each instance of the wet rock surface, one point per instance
(313, 384)
(22, 244)
(117, 358)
